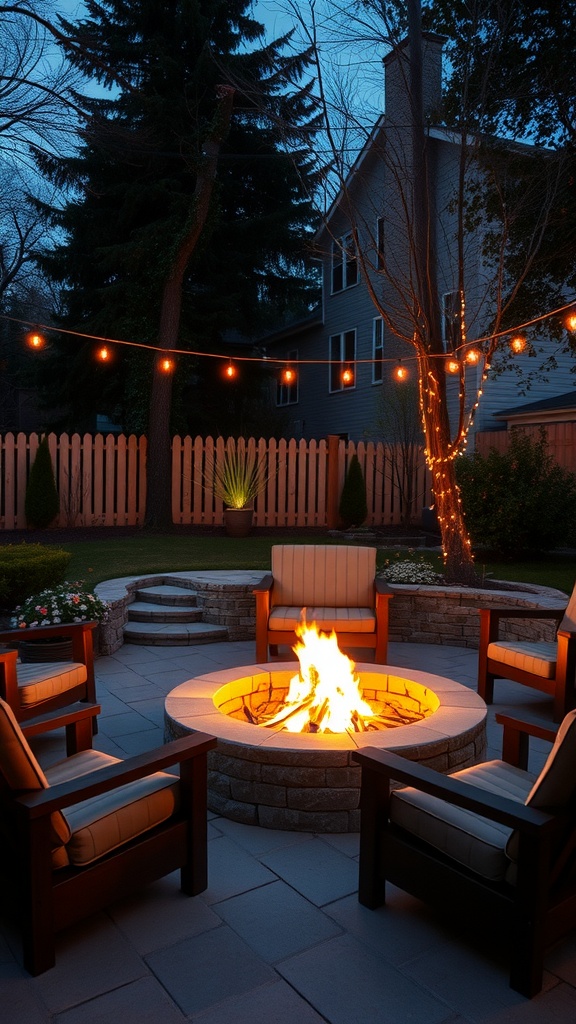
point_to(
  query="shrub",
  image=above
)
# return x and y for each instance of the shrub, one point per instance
(68, 602)
(412, 572)
(353, 508)
(519, 500)
(25, 569)
(42, 503)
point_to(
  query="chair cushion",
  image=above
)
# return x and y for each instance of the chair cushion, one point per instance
(569, 620)
(537, 657)
(341, 620)
(103, 823)
(315, 575)
(470, 839)
(555, 787)
(20, 769)
(38, 682)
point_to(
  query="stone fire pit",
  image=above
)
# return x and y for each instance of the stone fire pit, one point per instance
(308, 782)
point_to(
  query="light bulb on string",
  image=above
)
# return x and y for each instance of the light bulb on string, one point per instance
(518, 343)
(35, 340)
(288, 375)
(452, 365)
(400, 372)
(348, 375)
(473, 356)
(230, 372)
(103, 354)
(166, 365)
(571, 321)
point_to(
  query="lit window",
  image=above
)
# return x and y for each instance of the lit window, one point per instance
(344, 263)
(342, 356)
(287, 393)
(377, 350)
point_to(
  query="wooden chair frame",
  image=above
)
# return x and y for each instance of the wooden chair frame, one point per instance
(80, 633)
(51, 900)
(271, 639)
(561, 687)
(536, 911)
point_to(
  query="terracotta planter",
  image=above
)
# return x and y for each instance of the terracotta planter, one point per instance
(238, 521)
(56, 649)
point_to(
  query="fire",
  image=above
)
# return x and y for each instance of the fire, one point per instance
(325, 696)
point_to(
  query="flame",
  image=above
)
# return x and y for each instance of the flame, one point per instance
(325, 696)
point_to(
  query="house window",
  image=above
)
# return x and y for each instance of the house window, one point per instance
(451, 320)
(377, 350)
(287, 393)
(380, 243)
(344, 263)
(342, 356)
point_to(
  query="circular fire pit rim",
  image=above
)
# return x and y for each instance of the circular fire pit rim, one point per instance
(196, 712)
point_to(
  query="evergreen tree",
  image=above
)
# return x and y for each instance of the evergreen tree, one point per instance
(42, 503)
(189, 194)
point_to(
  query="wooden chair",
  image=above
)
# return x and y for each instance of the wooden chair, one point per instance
(39, 687)
(492, 842)
(549, 666)
(337, 587)
(91, 829)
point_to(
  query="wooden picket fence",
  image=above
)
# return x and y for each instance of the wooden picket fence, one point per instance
(101, 480)
(561, 439)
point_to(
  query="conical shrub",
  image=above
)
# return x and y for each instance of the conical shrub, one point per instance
(42, 503)
(353, 508)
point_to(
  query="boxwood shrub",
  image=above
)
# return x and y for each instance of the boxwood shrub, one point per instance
(27, 568)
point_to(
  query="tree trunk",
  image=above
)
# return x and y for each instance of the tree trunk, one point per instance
(159, 456)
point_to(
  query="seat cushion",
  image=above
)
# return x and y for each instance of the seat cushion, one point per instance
(538, 657)
(103, 823)
(39, 682)
(341, 620)
(20, 769)
(470, 839)
(321, 575)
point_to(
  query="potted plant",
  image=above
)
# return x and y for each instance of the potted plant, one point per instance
(66, 603)
(237, 480)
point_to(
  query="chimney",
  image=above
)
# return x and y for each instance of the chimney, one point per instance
(397, 75)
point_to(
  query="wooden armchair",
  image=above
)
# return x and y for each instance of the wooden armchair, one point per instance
(337, 587)
(91, 829)
(549, 666)
(40, 687)
(491, 842)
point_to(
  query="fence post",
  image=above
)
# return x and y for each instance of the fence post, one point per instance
(332, 517)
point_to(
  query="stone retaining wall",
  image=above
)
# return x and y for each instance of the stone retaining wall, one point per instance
(418, 614)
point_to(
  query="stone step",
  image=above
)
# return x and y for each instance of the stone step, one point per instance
(166, 594)
(173, 634)
(144, 611)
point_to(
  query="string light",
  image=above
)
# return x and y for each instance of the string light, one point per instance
(400, 372)
(518, 343)
(473, 356)
(452, 365)
(348, 375)
(288, 375)
(35, 340)
(166, 365)
(103, 354)
(230, 372)
(571, 321)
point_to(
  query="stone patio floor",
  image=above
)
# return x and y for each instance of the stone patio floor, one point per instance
(278, 937)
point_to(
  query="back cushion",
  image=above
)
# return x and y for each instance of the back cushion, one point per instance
(20, 769)
(556, 784)
(569, 620)
(323, 575)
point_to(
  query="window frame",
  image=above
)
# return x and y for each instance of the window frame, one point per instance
(344, 270)
(346, 342)
(377, 346)
(288, 394)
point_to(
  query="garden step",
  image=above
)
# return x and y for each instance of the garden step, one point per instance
(144, 611)
(173, 633)
(166, 594)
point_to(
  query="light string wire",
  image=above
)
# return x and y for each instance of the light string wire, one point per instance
(35, 325)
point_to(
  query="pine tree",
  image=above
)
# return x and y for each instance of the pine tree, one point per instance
(353, 507)
(183, 184)
(41, 504)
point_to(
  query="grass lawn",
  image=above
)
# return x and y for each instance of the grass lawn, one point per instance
(101, 559)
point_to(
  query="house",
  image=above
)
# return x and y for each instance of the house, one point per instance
(344, 353)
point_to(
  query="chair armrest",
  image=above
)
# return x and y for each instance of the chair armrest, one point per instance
(461, 794)
(495, 614)
(41, 802)
(516, 737)
(59, 719)
(382, 588)
(265, 584)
